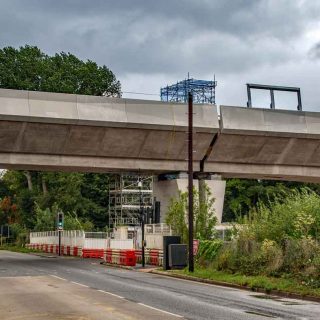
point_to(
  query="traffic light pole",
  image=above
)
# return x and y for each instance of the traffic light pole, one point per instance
(59, 233)
(60, 222)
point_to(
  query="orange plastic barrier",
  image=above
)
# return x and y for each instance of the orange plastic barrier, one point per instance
(108, 256)
(92, 253)
(68, 251)
(128, 257)
(75, 251)
(154, 257)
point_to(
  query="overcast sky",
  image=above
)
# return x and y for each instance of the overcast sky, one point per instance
(152, 43)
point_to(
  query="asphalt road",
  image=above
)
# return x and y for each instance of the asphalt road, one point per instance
(134, 294)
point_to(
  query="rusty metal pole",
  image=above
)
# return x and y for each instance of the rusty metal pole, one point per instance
(190, 179)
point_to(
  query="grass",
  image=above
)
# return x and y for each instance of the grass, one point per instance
(288, 285)
(16, 248)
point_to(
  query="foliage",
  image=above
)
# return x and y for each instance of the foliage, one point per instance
(19, 234)
(46, 220)
(296, 216)
(176, 216)
(278, 239)
(204, 216)
(242, 194)
(71, 222)
(208, 250)
(84, 195)
(8, 211)
(28, 68)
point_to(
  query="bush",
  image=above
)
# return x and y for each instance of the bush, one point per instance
(19, 234)
(208, 250)
(280, 239)
(296, 216)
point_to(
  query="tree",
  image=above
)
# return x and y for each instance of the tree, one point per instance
(243, 194)
(28, 68)
(204, 216)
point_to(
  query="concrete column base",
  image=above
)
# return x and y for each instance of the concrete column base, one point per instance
(168, 189)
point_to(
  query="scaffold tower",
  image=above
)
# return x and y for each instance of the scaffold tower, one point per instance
(127, 199)
(204, 91)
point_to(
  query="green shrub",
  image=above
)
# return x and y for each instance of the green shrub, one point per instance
(204, 216)
(296, 216)
(208, 250)
(19, 234)
(278, 239)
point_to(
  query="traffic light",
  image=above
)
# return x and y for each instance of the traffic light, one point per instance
(60, 220)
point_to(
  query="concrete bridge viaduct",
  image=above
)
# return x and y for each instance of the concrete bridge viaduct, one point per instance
(66, 132)
(52, 131)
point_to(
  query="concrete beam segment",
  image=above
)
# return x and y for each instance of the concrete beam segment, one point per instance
(266, 150)
(285, 143)
(76, 125)
(103, 111)
(47, 138)
(271, 122)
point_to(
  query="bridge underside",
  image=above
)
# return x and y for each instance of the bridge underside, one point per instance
(104, 165)
(266, 157)
(67, 163)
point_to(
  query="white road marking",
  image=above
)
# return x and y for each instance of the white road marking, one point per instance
(163, 311)
(112, 294)
(52, 275)
(80, 284)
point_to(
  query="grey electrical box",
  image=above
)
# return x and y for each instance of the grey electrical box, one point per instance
(178, 255)
(167, 240)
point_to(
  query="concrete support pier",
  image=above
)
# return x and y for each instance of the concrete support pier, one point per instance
(165, 190)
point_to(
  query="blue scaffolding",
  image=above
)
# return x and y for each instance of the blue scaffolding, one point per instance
(203, 91)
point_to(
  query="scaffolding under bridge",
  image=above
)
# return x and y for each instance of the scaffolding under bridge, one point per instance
(130, 196)
(203, 91)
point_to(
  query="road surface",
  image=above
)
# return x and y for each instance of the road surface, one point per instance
(34, 287)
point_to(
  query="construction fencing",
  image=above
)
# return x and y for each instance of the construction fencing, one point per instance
(77, 238)
(98, 245)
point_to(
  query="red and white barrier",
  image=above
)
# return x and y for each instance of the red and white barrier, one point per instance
(94, 245)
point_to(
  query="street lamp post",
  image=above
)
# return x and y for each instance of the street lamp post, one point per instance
(142, 223)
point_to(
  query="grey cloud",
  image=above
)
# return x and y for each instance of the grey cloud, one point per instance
(228, 37)
(314, 52)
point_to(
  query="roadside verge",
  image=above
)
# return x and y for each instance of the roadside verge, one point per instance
(272, 292)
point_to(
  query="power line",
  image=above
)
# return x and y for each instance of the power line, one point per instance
(142, 93)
